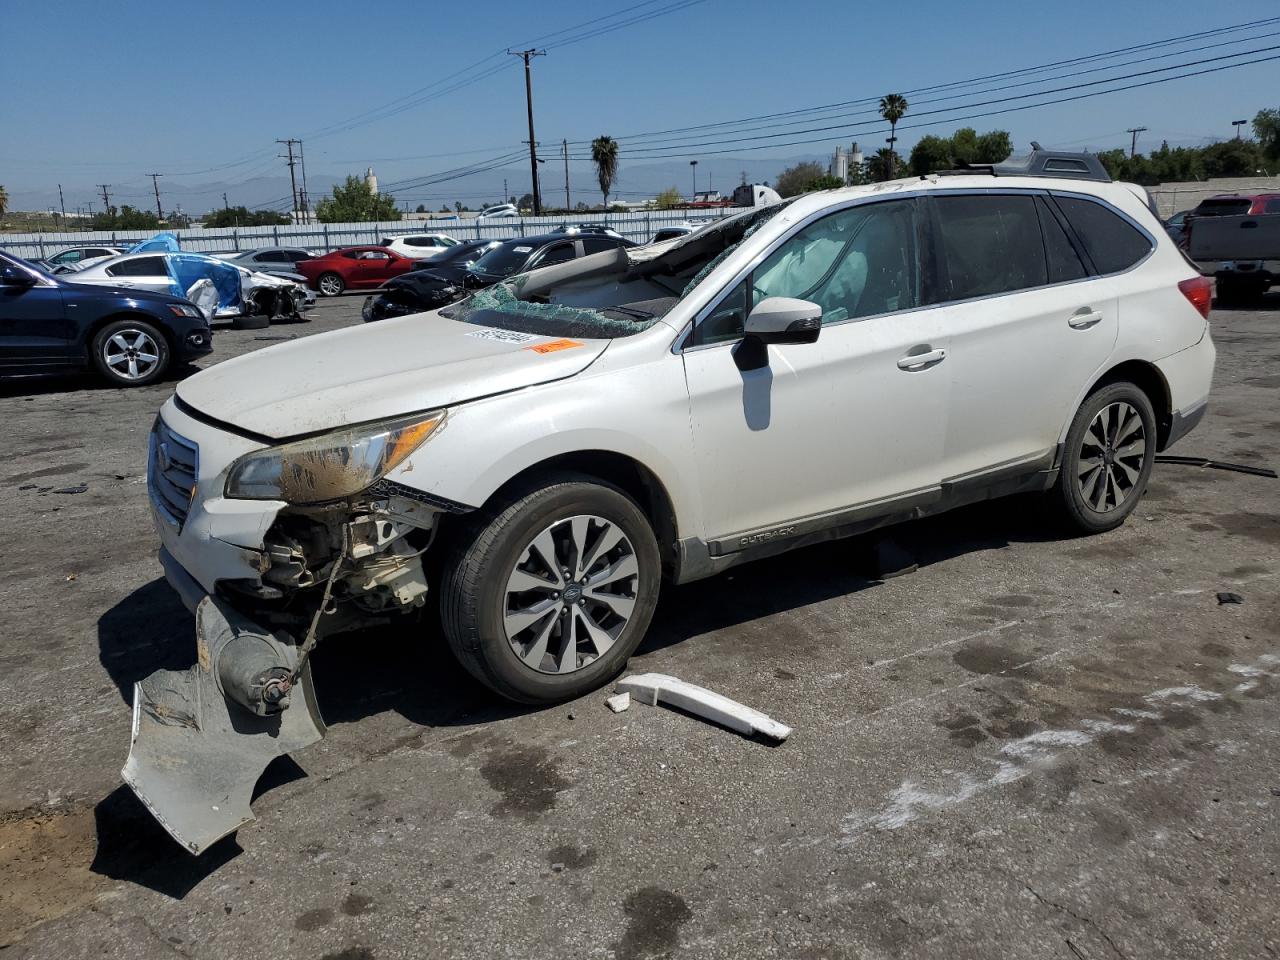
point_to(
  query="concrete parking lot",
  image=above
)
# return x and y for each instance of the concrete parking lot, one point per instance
(1033, 747)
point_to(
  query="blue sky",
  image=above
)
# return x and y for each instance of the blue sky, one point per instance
(107, 92)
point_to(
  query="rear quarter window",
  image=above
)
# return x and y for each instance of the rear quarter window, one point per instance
(1111, 242)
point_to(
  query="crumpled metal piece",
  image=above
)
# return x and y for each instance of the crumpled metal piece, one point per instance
(196, 754)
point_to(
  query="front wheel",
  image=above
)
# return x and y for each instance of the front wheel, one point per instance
(331, 285)
(547, 595)
(1107, 459)
(130, 353)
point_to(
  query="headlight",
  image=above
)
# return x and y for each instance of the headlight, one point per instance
(332, 465)
(183, 310)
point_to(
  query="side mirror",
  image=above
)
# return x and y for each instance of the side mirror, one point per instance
(776, 320)
(11, 276)
(784, 320)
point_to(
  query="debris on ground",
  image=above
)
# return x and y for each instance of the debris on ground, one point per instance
(652, 688)
(618, 702)
(891, 560)
(78, 488)
(1219, 465)
(1226, 597)
(27, 486)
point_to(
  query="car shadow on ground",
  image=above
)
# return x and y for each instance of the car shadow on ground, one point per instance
(408, 668)
(42, 384)
(1268, 301)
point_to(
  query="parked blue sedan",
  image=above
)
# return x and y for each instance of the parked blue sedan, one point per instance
(129, 337)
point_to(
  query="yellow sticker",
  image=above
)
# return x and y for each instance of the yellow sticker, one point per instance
(553, 345)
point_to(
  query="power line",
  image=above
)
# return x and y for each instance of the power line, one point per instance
(846, 130)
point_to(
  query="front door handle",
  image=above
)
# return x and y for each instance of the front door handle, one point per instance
(921, 361)
(1084, 318)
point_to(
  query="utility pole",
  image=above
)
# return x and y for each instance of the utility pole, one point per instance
(293, 183)
(1133, 146)
(225, 205)
(506, 197)
(564, 145)
(1238, 124)
(106, 200)
(693, 165)
(533, 144)
(155, 183)
(306, 197)
(62, 204)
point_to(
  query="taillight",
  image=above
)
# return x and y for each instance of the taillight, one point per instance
(1199, 292)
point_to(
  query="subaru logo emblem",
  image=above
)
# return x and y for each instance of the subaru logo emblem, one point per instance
(163, 460)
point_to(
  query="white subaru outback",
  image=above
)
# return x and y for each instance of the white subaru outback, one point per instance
(543, 453)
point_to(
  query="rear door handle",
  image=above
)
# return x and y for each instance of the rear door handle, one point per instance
(921, 361)
(1084, 319)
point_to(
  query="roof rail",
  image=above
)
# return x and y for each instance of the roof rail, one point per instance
(1041, 163)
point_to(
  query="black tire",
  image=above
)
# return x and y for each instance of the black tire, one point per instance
(105, 353)
(484, 552)
(254, 322)
(337, 286)
(1074, 497)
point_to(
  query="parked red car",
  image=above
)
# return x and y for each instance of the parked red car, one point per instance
(355, 268)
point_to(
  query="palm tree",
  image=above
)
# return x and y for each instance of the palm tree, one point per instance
(893, 106)
(604, 154)
(4, 200)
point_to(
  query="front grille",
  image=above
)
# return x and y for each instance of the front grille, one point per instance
(171, 473)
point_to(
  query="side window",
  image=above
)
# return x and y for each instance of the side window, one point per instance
(1110, 241)
(272, 256)
(1273, 206)
(139, 267)
(354, 254)
(599, 244)
(991, 243)
(70, 256)
(559, 253)
(1063, 261)
(855, 263)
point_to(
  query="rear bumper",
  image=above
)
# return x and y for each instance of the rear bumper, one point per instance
(1183, 422)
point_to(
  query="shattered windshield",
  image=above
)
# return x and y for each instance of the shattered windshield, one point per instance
(499, 307)
(603, 301)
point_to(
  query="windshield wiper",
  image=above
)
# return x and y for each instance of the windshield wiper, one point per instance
(630, 312)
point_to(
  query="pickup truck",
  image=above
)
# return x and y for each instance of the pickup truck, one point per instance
(1241, 251)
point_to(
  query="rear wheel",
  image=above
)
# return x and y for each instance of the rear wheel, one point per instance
(130, 353)
(1107, 458)
(546, 596)
(331, 285)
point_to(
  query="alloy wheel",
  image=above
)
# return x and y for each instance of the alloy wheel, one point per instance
(330, 286)
(570, 594)
(131, 354)
(1112, 453)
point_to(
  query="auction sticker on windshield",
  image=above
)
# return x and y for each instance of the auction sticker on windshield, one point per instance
(554, 345)
(503, 336)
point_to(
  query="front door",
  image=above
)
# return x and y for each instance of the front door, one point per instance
(34, 330)
(832, 431)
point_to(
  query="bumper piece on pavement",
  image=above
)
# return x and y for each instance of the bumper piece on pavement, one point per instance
(197, 750)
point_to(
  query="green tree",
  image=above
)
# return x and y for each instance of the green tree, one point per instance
(458, 207)
(881, 164)
(795, 179)
(4, 200)
(994, 146)
(893, 107)
(668, 199)
(931, 153)
(244, 217)
(604, 154)
(1233, 158)
(125, 218)
(966, 145)
(354, 202)
(524, 203)
(824, 182)
(1266, 127)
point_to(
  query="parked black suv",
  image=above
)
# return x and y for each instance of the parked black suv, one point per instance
(435, 286)
(130, 337)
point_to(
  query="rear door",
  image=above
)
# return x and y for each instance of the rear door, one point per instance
(1028, 328)
(143, 273)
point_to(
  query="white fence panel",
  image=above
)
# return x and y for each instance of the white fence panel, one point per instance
(322, 237)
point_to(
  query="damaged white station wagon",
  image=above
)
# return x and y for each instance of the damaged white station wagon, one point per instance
(543, 453)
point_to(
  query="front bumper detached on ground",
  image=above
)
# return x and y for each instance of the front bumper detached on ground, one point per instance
(203, 736)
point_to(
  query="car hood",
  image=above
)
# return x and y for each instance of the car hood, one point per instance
(374, 371)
